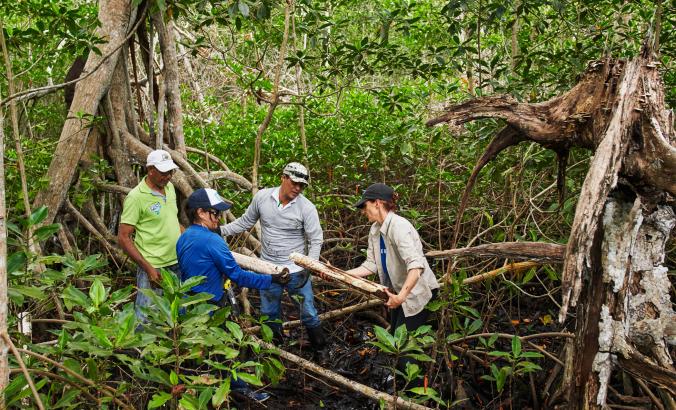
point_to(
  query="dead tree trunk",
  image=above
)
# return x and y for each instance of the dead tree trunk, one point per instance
(612, 273)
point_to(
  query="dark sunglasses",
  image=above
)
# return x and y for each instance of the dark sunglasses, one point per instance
(297, 174)
(214, 212)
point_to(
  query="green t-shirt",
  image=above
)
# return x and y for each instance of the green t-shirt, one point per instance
(155, 219)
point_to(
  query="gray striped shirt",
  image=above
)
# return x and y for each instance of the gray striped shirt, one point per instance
(284, 229)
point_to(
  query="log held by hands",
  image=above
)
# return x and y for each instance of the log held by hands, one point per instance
(258, 265)
(360, 284)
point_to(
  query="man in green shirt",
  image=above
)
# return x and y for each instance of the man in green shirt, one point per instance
(150, 215)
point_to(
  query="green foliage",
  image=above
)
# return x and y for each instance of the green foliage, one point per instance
(187, 344)
(410, 345)
(517, 359)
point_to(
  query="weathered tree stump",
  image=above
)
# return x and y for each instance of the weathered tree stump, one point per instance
(612, 272)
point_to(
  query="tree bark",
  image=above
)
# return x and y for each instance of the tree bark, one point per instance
(613, 261)
(115, 17)
(172, 91)
(4, 348)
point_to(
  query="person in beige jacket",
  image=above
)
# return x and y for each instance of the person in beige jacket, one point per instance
(395, 252)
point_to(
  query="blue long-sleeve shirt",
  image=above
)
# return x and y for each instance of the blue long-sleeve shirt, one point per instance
(204, 253)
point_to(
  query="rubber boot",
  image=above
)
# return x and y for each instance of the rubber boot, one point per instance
(277, 333)
(318, 343)
(317, 337)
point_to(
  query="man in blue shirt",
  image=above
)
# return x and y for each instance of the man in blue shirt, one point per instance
(202, 252)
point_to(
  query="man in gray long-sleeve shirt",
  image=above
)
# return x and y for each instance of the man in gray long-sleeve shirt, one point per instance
(289, 223)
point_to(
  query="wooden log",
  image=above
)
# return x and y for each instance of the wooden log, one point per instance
(360, 284)
(367, 391)
(551, 252)
(257, 265)
(511, 267)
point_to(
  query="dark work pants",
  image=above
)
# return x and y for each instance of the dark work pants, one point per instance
(412, 323)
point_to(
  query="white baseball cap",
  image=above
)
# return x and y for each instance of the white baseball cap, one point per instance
(161, 160)
(297, 172)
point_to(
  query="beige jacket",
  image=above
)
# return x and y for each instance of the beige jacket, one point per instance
(404, 252)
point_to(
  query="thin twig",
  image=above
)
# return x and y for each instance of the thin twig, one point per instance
(108, 391)
(63, 380)
(24, 370)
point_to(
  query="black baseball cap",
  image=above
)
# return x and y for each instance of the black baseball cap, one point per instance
(375, 191)
(207, 198)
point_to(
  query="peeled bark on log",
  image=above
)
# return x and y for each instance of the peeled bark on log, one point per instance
(258, 265)
(550, 252)
(360, 284)
(632, 303)
(115, 17)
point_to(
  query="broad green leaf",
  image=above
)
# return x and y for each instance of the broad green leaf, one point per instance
(235, 330)
(97, 293)
(101, 336)
(205, 397)
(266, 333)
(189, 402)
(44, 232)
(158, 400)
(385, 338)
(74, 297)
(169, 281)
(161, 304)
(124, 328)
(516, 346)
(32, 292)
(38, 216)
(173, 378)
(476, 325)
(191, 282)
(500, 354)
(221, 393)
(249, 378)
(400, 336)
(16, 262)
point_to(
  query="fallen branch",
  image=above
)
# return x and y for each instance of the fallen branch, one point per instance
(328, 315)
(551, 252)
(360, 284)
(343, 381)
(107, 390)
(62, 380)
(511, 267)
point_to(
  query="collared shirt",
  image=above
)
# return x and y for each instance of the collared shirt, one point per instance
(155, 220)
(404, 252)
(284, 229)
(204, 253)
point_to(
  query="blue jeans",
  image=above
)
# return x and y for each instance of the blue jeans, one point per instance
(271, 300)
(143, 282)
